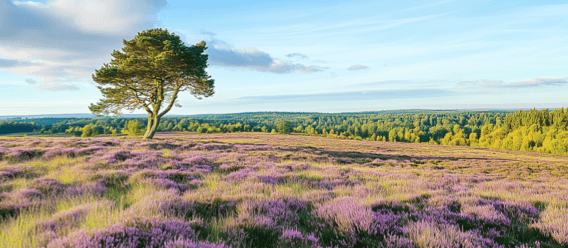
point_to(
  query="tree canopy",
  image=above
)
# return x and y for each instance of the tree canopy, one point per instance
(149, 73)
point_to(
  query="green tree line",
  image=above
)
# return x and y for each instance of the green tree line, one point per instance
(524, 130)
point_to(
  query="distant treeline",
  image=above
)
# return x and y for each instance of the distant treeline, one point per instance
(533, 130)
(7, 127)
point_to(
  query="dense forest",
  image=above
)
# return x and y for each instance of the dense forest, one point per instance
(533, 130)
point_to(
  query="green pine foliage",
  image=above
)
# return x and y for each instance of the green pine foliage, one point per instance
(148, 73)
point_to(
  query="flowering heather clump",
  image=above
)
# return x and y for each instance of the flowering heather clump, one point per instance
(265, 221)
(96, 188)
(20, 154)
(113, 157)
(112, 178)
(241, 147)
(177, 207)
(212, 146)
(153, 234)
(55, 152)
(5, 175)
(554, 223)
(429, 234)
(169, 184)
(330, 184)
(3, 151)
(393, 205)
(317, 198)
(64, 220)
(292, 239)
(229, 167)
(239, 175)
(386, 223)
(11, 173)
(280, 213)
(392, 241)
(270, 179)
(276, 191)
(49, 186)
(29, 194)
(189, 243)
(9, 208)
(188, 209)
(12, 203)
(298, 167)
(347, 214)
(516, 211)
(344, 222)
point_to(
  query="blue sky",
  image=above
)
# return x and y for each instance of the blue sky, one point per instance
(325, 56)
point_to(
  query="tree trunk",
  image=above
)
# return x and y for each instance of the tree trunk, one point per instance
(148, 127)
(151, 129)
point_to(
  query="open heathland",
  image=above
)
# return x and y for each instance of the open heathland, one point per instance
(272, 190)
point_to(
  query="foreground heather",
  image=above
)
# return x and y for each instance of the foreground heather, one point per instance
(262, 190)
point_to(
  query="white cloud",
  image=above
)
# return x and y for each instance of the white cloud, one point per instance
(63, 41)
(222, 54)
(100, 16)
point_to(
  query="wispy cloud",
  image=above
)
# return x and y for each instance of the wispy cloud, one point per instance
(351, 96)
(30, 81)
(58, 86)
(357, 67)
(384, 82)
(535, 82)
(225, 55)
(205, 32)
(297, 55)
(10, 63)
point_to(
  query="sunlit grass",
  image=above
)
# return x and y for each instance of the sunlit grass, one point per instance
(20, 183)
(20, 231)
(71, 175)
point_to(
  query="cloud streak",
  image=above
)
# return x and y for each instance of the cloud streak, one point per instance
(357, 67)
(58, 86)
(535, 82)
(205, 32)
(297, 55)
(352, 96)
(11, 63)
(224, 55)
(30, 81)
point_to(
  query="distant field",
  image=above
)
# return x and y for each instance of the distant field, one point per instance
(270, 190)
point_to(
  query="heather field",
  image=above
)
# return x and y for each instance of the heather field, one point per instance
(270, 190)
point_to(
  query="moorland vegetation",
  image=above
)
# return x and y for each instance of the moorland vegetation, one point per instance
(272, 190)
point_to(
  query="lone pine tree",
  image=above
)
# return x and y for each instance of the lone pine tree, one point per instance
(149, 73)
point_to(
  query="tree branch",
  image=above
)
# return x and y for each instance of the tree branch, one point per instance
(139, 101)
(172, 102)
